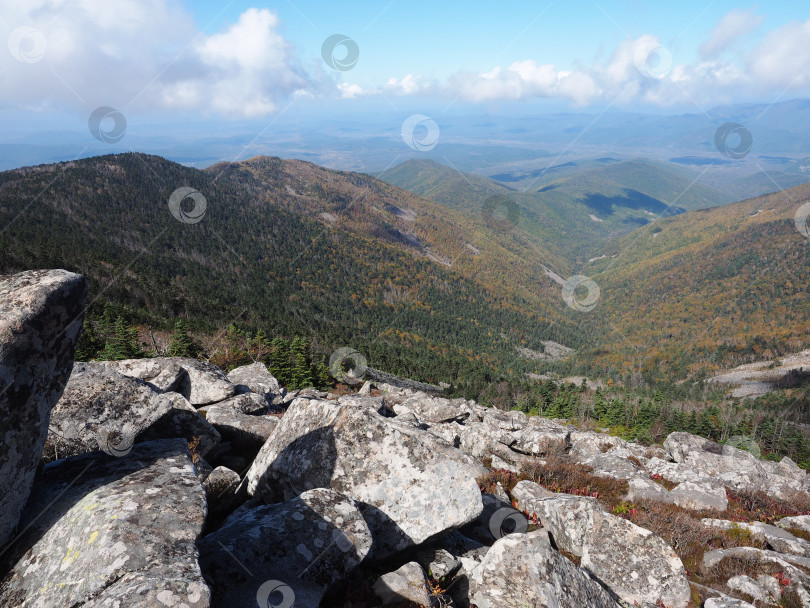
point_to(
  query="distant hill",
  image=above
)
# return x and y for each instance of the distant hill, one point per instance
(572, 208)
(706, 290)
(292, 248)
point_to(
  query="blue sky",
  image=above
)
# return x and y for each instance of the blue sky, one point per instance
(248, 59)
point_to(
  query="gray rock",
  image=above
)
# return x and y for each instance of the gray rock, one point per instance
(726, 602)
(406, 584)
(700, 495)
(482, 441)
(251, 404)
(793, 566)
(798, 522)
(748, 586)
(432, 410)
(632, 562)
(103, 409)
(524, 570)
(641, 487)
(255, 377)
(205, 383)
(40, 323)
(777, 538)
(299, 548)
(247, 432)
(400, 474)
(161, 374)
(220, 490)
(98, 529)
(696, 459)
(450, 433)
(438, 563)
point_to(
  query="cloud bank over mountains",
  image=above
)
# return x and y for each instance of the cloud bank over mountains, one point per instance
(148, 55)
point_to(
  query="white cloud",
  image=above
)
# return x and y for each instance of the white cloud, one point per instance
(147, 55)
(783, 57)
(733, 26)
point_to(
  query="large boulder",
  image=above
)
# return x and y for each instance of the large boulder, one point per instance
(632, 562)
(294, 549)
(406, 584)
(777, 539)
(198, 381)
(696, 459)
(524, 570)
(432, 410)
(412, 485)
(247, 432)
(40, 323)
(103, 409)
(100, 530)
(700, 495)
(256, 378)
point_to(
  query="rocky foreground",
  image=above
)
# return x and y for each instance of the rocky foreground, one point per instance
(166, 482)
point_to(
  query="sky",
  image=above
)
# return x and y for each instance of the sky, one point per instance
(188, 60)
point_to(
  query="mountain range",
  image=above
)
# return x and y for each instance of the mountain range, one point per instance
(457, 278)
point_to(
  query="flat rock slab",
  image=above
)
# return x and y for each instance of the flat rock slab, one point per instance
(292, 550)
(40, 323)
(412, 485)
(632, 562)
(99, 529)
(524, 570)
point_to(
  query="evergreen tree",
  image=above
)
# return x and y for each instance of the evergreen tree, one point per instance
(123, 344)
(182, 345)
(301, 372)
(279, 361)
